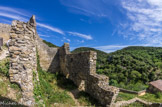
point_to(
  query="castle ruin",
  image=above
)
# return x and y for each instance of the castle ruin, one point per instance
(80, 68)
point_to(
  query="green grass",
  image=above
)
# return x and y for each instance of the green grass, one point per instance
(125, 96)
(46, 91)
(3, 89)
(136, 104)
(155, 98)
(4, 67)
(4, 80)
(152, 97)
(134, 87)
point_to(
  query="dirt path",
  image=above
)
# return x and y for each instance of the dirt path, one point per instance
(3, 54)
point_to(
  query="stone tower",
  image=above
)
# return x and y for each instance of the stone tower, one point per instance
(22, 48)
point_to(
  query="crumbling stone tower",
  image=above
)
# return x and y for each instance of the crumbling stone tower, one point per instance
(22, 48)
(81, 69)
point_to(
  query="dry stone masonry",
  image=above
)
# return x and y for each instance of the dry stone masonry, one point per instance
(81, 69)
(48, 56)
(22, 48)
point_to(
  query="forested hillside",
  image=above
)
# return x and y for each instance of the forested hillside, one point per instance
(101, 56)
(132, 67)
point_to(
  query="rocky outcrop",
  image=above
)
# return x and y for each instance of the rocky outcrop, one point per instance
(81, 69)
(22, 49)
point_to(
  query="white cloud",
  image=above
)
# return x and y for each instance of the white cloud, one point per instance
(66, 39)
(88, 37)
(80, 41)
(18, 14)
(13, 16)
(95, 8)
(42, 35)
(54, 29)
(14, 10)
(145, 20)
(112, 48)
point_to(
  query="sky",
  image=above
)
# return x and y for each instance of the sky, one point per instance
(107, 25)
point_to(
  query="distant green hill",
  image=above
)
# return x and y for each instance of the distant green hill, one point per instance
(101, 56)
(132, 67)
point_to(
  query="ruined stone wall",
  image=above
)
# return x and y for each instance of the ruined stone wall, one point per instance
(48, 56)
(131, 101)
(23, 57)
(81, 69)
(5, 32)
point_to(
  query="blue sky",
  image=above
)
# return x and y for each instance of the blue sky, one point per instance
(106, 25)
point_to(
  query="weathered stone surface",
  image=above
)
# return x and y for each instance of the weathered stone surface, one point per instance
(81, 69)
(48, 56)
(23, 59)
(5, 32)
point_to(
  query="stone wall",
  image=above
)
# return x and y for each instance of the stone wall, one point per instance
(81, 69)
(48, 56)
(5, 32)
(49, 59)
(139, 93)
(127, 103)
(1, 42)
(22, 49)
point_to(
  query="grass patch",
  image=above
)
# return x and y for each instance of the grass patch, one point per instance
(3, 89)
(4, 67)
(155, 98)
(46, 90)
(134, 87)
(152, 97)
(136, 104)
(125, 96)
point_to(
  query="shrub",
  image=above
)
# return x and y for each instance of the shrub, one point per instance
(158, 95)
(4, 67)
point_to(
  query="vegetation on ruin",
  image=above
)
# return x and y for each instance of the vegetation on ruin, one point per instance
(53, 88)
(130, 68)
(157, 97)
(46, 90)
(4, 67)
(8, 88)
(125, 96)
(135, 104)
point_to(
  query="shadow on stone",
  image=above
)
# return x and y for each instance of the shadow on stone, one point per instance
(65, 83)
(54, 66)
(6, 102)
(69, 85)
